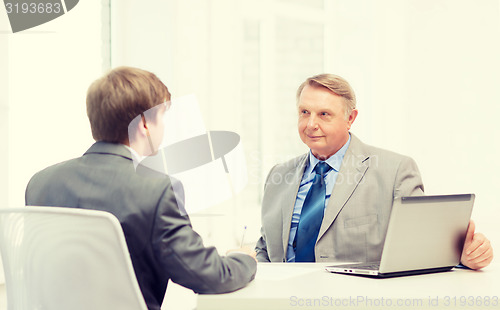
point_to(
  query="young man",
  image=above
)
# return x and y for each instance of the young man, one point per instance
(129, 102)
(360, 183)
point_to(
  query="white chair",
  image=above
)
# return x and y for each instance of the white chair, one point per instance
(66, 259)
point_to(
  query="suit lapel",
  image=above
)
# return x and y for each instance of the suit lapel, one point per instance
(352, 171)
(290, 195)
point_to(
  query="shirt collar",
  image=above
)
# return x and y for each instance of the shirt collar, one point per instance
(335, 161)
(136, 158)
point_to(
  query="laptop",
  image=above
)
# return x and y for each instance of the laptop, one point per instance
(425, 234)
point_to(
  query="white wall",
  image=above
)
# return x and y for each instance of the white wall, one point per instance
(4, 124)
(44, 75)
(49, 70)
(427, 75)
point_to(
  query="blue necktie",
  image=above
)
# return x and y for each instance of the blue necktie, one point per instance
(311, 216)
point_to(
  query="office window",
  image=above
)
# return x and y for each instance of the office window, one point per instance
(299, 54)
(244, 61)
(251, 58)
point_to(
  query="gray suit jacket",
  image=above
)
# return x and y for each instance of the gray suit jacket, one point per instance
(356, 217)
(160, 239)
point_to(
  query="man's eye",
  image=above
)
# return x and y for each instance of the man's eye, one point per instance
(304, 112)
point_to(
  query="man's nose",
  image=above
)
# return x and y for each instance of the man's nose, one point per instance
(312, 122)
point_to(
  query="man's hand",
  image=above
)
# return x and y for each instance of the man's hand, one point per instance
(244, 250)
(477, 252)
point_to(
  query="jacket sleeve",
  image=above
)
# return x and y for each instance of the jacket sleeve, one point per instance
(408, 180)
(186, 260)
(261, 249)
(261, 246)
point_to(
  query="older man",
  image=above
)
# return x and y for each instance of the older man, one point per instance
(333, 203)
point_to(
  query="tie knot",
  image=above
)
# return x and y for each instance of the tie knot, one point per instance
(322, 168)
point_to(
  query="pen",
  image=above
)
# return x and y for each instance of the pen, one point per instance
(243, 237)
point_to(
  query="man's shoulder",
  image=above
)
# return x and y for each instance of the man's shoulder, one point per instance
(57, 168)
(360, 148)
(291, 163)
(102, 165)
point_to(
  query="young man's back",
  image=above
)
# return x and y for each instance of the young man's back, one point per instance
(159, 235)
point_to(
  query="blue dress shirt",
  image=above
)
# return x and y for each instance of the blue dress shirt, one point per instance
(335, 161)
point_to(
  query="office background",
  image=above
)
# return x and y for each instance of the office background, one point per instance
(426, 75)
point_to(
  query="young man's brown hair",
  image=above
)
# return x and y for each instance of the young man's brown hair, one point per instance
(114, 100)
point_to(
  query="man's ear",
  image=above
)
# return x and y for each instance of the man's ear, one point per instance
(142, 127)
(137, 130)
(351, 118)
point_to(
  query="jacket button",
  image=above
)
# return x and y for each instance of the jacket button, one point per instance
(284, 260)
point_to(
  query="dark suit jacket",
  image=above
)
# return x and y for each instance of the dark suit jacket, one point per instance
(160, 239)
(356, 217)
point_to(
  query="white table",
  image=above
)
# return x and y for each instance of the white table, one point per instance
(309, 286)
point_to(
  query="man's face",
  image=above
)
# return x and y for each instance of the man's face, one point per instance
(322, 124)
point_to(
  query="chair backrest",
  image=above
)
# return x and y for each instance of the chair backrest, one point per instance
(63, 258)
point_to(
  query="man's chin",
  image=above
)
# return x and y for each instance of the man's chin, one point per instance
(316, 146)
(321, 153)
